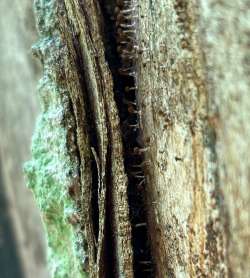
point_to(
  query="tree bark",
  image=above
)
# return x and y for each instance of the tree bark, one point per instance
(190, 68)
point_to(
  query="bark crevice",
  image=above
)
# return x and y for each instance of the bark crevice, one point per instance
(133, 155)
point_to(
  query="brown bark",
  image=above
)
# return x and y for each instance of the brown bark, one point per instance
(194, 104)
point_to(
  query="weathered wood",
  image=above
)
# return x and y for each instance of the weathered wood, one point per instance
(78, 83)
(192, 77)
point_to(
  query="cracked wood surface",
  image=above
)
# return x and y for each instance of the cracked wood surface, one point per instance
(193, 96)
(86, 51)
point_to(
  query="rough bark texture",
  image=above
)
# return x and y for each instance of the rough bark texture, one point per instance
(193, 67)
(77, 149)
(195, 111)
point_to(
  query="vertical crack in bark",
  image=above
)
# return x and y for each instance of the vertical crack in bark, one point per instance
(124, 77)
(90, 119)
(104, 203)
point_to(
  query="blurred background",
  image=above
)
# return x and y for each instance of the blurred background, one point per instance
(22, 243)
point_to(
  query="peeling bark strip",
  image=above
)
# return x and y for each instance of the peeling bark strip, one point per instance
(105, 200)
(91, 125)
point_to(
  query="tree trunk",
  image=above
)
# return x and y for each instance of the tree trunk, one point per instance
(143, 138)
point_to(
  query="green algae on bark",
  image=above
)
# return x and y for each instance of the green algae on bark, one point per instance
(54, 166)
(50, 173)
